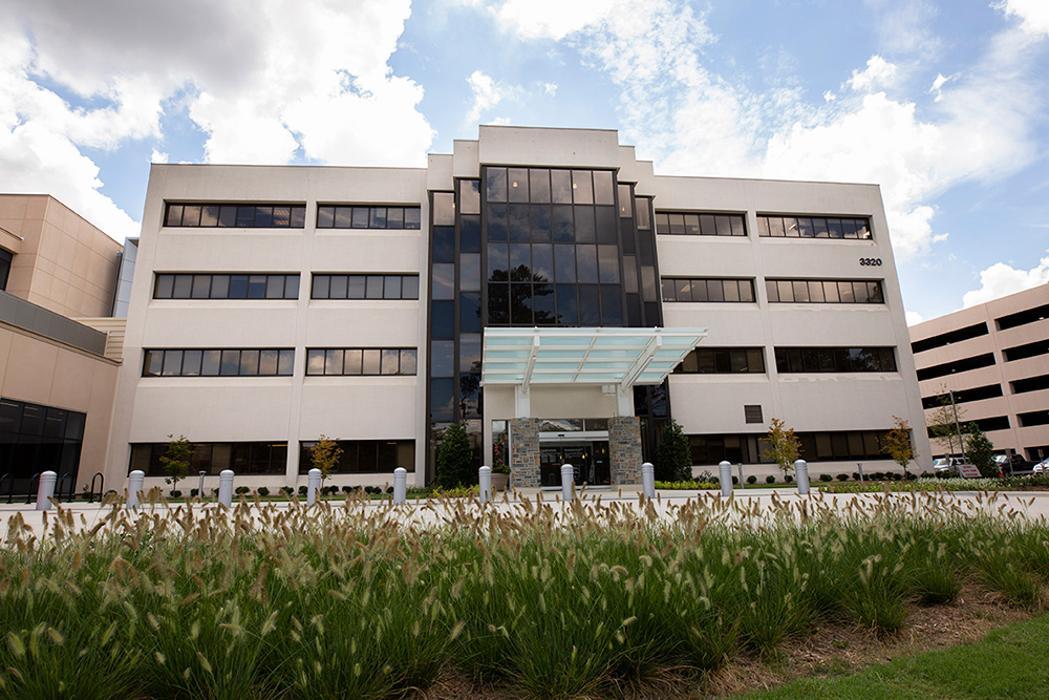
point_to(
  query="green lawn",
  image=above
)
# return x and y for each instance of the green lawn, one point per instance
(1008, 663)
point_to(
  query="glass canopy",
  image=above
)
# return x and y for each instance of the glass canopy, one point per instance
(623, 356)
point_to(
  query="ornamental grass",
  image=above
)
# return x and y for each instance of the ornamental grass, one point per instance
(589, 600)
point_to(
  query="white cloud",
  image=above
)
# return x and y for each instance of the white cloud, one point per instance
(265, 80)
(1033, 14)
(829, 96)
(877, 74)
(550, 89)
(936, 89)
(158, 156)
(550, 19)
(1001, 279)
(691, 120)
(487, 93)
(914, 318)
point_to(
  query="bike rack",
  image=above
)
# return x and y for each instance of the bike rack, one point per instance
(58, 487)
(101, 486)
(34, 483)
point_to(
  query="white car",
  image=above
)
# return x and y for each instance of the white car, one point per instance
(946, 465)
(1042, 467)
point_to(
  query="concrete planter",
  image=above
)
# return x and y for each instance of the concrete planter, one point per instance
(500, 481)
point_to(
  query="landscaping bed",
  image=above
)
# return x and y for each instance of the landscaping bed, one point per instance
(1010, 483)
(589, 601)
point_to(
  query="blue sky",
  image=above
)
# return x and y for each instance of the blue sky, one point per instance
(943, 104)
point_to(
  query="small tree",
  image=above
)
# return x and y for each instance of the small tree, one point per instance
(455, 459)
(980, 451)
(898, 443)
(784, 445)
(325, 455)
(175, 459)
(944, 421)
(674, 457)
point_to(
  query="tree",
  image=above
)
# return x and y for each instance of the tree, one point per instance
(674, 457)
(455, 459)
(325, 455)
(784, 445)
(944, 421)
(980, 451)
(175, 459)
(898, 443)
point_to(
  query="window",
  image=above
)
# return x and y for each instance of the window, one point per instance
(813, 227)
(225, 362)
(706, 289)
(683, 223)
(260, 215)
(368, 216)
(753, 414)
(723, 361)
(969, 363)
(5, 267)
(1020, 318)
(1033, 418)
(809, 359)
(1023, 352)
(364, 286)
(225, 286)
(955, 336)
(34, 438)
(366, 456)
(360, 362)
(817, 446)
(978, 393)
(1022, 386)
(800, 291)
(269, 457)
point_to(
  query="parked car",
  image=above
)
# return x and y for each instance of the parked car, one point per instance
(1042, 467)
(946, 465)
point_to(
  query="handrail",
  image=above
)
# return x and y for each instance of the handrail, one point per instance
(10, 485)
(35, 479)
(101, 486)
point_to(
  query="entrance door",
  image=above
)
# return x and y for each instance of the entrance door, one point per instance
(588, 459)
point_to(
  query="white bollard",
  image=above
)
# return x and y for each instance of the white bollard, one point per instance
(484, 478)
(648, 480)
(134, 487)
(313, 485)
(801, 473)
(400, 486)
(725, 477)
(859, 469)
(45, 490)
(200, 484)
(226, 487)
(567, 482)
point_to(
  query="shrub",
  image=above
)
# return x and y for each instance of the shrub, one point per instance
(303, 490)
(770, 479)
(842, 477)
(674, 457)
(242, 490)
(349, 489)
(789, 478)
(455, 463)
(856, 476)
(909, 476)
(752, 479)
(175, 493)
(826, 477)
(193, 493)
(735, 481)
(287, 490)
(262, 491)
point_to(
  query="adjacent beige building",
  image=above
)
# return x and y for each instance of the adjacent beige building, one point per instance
(994, 358)
(58, 273)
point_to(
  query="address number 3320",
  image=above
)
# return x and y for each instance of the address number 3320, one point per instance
(870, 262)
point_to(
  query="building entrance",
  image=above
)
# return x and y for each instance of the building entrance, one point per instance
(588, 458)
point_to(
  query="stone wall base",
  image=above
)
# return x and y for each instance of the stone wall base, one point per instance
(624, 449)
(524, 453)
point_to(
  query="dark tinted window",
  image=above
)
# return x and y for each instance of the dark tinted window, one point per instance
(813, 359)
(193, 362)
(813, 227)
(235, 215)
(368, 216)
(699, 224)
(361, 286)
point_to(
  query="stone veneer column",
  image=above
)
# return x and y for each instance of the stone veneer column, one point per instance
(624, 449)
(524, 452)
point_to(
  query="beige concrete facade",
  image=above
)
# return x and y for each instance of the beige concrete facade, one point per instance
(61, 261)
(1030, 441)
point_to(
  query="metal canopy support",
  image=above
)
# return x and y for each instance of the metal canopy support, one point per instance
(641, 363)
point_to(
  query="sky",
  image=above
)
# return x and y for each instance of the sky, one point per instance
(944, 104)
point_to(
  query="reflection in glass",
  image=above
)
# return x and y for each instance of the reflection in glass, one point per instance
(567, 309)
(564, 263)
(519, 223)
(470, 234)
(498, 304)
(582, 187)
(442, 319)
(443, 246)
(586, 263)
(561, 186)
(518, 190)
(607, 228)
(498, 262)
(520, 262)
(543, 304)
(542, 262)
(539, 179)
(540, 221)
(497, 222)
(584, 225)
(561, 224)
(521, 304)
(470, 312)
(469, 197)
(443, 209)
(603, 187)
(495, 184)
(443, 282)
(589, 305)
(442, 358)
(470, 271)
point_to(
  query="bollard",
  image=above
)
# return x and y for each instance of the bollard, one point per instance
(725, 477)
(859, 469)
(648, 480)
(400, 485)
(45, 490)
(484, 478)
(313, 485)
(134, 487)
(567, 482)
(739, 468)
(226, 487)
(801, 473)
(200, 484)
